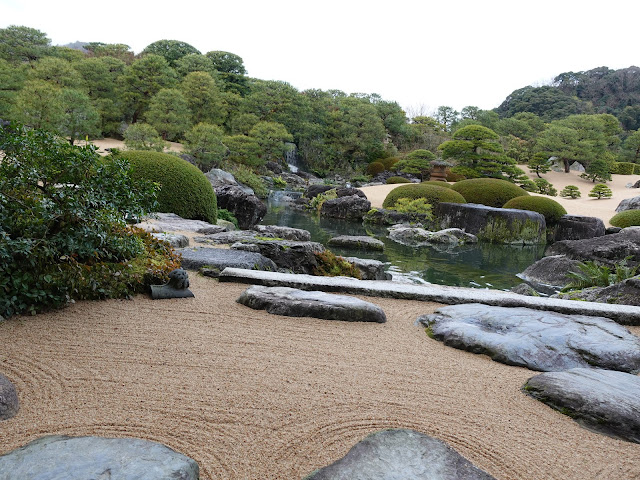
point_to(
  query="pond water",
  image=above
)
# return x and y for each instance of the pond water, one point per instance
(482, 265)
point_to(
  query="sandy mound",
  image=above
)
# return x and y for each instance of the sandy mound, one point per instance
(256, 396)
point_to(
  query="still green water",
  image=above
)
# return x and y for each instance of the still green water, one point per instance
(482, 265)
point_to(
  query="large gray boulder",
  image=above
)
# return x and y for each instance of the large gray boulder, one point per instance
(313, 191)
(176, 240)
(578, 227)
(496, 225)
(220, 258)
(352, 207)
(300, 303)
(369, 269)
(536, 339)
(629, 204)
(608, 250)
(85, 458)
(549, 274)
(9, 404)
(601, 400)
(418, 237)
(362, 242)
(626, 292)
(297, 257)
(400, 455)
(381, 216)
(247, 208)
(288, 233)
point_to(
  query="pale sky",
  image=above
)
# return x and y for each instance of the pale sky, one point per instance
(422, 54)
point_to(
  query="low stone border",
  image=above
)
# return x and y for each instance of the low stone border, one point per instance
(623, 314)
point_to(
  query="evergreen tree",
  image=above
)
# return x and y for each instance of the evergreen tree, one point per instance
(570, 191)
(597, 171)
(600, 191)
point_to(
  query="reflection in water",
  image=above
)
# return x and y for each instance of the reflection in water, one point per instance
(482, 265)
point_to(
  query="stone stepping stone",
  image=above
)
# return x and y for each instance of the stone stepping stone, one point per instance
(82, 458)
(176, 240)
(601, 400)
(356, 241)
(287, 233)
(400, 455)
(221, 258)
(536, 339)
(292, 302)
(9, 404)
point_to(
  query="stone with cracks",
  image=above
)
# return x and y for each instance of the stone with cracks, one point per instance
(400, 455)
(549, 274)
(496, 225)
(248, 209)
(601, 400)
(297, 257)
(362, 242)
(351, 207)
(292, 302)
(9, 404)
(538, 340)
(84, 458)
(221, 258)
(578, 227)
(608, 250)
(288, 233)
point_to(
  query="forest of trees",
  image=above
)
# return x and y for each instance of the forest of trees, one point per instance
(172, 91)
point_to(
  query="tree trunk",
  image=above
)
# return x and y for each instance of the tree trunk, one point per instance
(566, 165)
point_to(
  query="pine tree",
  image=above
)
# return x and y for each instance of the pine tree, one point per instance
(600, 191)
(570, 191)
(597, 171)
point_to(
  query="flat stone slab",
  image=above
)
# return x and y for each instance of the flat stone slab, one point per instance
(601, 400)
(418, 237)
(9, 404)
(624, 314)
(221, 258)
(287, 233)
(357, 241)
(84, 458)
(400, 455)
(299, 303)
(169, 222)
(228, 238)
(538, 340)
(176, 240)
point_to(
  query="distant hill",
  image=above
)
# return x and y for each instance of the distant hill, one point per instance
(600, 90)
(77, 46)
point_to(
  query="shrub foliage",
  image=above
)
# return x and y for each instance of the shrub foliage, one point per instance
(492, 192)
(394, 180)
(550, 209)
(431, 193)
(626, 218)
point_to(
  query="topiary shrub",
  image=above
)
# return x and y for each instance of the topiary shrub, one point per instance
(492, 192)
(393, 180)
(549, 208)
(636, 168)
(431, 193)
(375, 168)
(388, 162)
(570, 191)
(184, 190)
(623, 168)
(436, 183)
(627, 218)
(419, 205)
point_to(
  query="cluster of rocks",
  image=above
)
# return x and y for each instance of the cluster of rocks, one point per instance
(350, 203)
(590, 363)
(418, 237)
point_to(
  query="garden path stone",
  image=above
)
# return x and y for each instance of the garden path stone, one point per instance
(538, 340)
(362, 242)
(400, 455)
(221, 258)
(299, 303)
(81, 458)
(602, 400)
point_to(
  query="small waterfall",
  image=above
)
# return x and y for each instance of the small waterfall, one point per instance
(291, 157)
(279, 196)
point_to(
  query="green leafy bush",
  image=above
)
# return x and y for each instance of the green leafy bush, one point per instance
(184, 190)
(394, 180)
(592, 274)
(419, 205)
(247, 177)
(544, 187)
(570, 191)
(142, 136)
(63, 234)
(431, 193)
(318, 200)
(463, 173)
(626, 218)
(224, 214)
(492, 192)
(279, 182)
(375, 168)
(623, 168)
(550, 209)
(331, 265)
(388, 162)
(437, 183)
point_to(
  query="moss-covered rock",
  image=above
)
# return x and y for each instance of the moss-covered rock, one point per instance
(550, 209)
(184, 190)
(432, 193)
(492, 192)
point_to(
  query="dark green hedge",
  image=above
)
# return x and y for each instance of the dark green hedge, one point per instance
(437, 183)
(184, 190)
(627, 218)
(393, 180)
(492, 192)
(433, 194)
(623, 168)
(550, 209)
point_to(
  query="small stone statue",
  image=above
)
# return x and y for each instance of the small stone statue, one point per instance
(176, 287)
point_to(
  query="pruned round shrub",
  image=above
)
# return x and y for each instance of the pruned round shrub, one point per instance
(437, 183)
(627, 218)
(375, 168)
(388, 162)
(392, 180)
(433, 194)
(549, 208)
(492, 192)
(184, 190)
